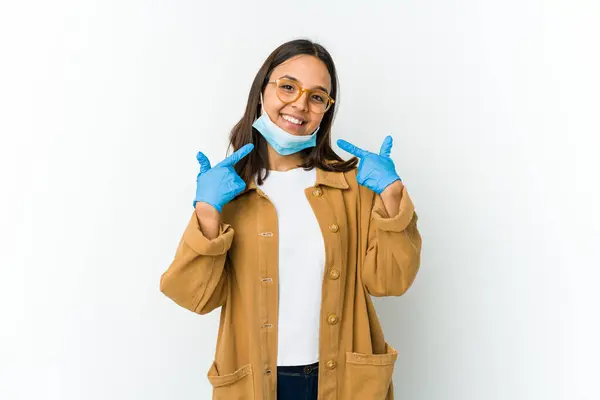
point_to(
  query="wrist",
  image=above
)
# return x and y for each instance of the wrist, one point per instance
(206, 210)
(394, 189)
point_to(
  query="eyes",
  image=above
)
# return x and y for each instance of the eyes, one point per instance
(291, 90)
(317, 98)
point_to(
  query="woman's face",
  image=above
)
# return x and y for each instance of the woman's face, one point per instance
(310, 73)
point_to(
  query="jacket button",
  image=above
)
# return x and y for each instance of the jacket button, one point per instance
(317, 192)
(333, 319)
(334, 274)
(334, 228)
(331, 364)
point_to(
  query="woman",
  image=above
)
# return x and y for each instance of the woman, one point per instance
(291, 241)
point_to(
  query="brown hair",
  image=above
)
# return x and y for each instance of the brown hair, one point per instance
(322, 155)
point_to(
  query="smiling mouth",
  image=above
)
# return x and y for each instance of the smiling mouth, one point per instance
(293, 120)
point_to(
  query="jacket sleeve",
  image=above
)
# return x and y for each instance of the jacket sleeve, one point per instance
(393, 249)
(197, 278)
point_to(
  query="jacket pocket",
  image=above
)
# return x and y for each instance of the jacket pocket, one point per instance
(238, 385)
(368, 376)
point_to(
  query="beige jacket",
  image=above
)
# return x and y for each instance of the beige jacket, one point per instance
(367, 254)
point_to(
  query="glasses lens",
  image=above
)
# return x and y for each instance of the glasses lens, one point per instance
(318, 101)
(287, 90)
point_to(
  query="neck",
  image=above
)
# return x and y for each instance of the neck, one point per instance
(277, 162)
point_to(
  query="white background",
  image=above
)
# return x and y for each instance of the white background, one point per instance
(494, 108)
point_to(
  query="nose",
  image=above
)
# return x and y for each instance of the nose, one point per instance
(302, 101)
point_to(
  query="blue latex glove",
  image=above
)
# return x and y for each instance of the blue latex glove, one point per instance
(219, 185)
(375, 171)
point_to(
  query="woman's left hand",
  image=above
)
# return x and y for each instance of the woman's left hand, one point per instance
(375, 171)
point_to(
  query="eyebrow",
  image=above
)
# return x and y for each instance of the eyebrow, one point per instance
(296, 80)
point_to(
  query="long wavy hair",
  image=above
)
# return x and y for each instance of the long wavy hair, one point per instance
(322, 155)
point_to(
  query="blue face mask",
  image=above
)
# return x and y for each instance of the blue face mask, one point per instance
(284, 143)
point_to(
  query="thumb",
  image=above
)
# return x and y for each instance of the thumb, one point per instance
(386, 147)
(204, 162)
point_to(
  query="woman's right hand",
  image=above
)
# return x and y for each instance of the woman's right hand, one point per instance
(220, 184)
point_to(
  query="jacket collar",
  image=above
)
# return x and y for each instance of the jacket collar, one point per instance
(326, 178)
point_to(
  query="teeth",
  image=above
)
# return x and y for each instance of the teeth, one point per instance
(292, 120)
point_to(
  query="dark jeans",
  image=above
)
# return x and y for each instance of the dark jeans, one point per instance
(298, 382)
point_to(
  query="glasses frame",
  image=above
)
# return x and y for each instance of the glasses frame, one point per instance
(330, 100)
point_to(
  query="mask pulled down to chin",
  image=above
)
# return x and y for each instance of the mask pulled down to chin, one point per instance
(283, 142)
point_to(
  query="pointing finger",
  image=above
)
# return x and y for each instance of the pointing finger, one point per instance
(352, 149)
(237, 156)
(386, 147)
(204, 162)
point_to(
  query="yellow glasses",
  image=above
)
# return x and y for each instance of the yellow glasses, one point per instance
(288, 91)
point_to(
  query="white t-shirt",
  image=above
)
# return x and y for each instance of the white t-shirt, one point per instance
(301, 266)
